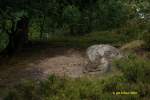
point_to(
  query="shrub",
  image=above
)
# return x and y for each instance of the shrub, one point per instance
(134, 69)
(56, 88)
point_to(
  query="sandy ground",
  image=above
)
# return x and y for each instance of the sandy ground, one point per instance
(40, 63)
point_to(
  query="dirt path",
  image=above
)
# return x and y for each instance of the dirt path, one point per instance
(40, 63)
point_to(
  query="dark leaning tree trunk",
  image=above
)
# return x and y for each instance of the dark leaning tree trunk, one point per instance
(42, 26)
(21, 32)
(18, 36)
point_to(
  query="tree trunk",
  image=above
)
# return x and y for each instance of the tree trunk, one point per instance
(17, 36)
(42, 27)
(21, 33)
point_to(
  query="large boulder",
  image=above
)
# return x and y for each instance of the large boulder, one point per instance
(100, 58)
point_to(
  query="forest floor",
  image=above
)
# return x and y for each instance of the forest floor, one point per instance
(41, 61)
(38, 63)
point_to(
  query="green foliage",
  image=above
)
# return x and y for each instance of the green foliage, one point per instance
(25, 91)
(120, 84)
(3, 40)
(55, 88)
(134, 69)
(71, 14)
(110, 13)
(111, 84)
(136, 74)
(67, 16)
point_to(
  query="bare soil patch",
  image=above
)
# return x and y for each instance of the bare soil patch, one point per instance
(40, 63)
